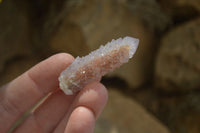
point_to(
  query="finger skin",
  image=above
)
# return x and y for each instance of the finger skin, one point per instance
(82, 120)
(22, 93)
(93, 97)
(48, 114)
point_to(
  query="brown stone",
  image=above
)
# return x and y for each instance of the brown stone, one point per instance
(178, 61)
(181, 112)
(181, 10)
(150, 12)
(14, 32)
(123, 115)
(193, 3)
(69, 38)
(103, 21)
(16, 68)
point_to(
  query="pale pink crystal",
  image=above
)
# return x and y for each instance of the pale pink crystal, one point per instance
(98, 63)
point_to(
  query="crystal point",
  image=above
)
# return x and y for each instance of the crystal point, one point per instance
(98, 63)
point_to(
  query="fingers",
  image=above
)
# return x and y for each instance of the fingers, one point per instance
(88, 105)
(82, 120)
(46, 117)
(25, 91)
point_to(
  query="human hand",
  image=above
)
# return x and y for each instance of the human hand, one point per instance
(58, 113)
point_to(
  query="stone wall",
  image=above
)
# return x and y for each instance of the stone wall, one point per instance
(157, 91)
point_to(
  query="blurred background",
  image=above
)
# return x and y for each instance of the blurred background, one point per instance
(158, 91)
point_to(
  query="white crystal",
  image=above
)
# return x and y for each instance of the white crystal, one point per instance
(93, 66)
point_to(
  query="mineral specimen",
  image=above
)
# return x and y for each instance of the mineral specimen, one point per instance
(98, 63)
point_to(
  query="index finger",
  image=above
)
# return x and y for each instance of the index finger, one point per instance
(25, 91)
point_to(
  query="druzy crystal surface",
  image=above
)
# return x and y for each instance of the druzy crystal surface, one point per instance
(98, 63)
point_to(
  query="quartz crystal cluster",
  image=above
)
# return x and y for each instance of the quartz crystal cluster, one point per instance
(98, 63)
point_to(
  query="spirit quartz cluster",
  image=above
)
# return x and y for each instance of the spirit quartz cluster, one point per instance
(98, 63)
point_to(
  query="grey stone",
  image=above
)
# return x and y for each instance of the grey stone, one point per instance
(178, 61)
(124, 115)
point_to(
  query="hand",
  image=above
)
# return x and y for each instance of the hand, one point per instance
(58, 113)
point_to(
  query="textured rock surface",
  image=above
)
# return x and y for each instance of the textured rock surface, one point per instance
(193, 3)
(182, 113)
(178, 61)
(102, 21)
(124, 115)
(179, 111)
(182, 4)
(69, 38)
(16, 67)
(150, 12)
(181, 11)
(14, 32)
